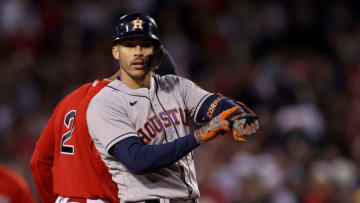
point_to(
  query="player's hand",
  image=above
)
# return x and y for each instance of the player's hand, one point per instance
(216, 126)
(244, 125)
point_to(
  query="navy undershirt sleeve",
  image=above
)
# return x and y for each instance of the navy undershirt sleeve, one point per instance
(213, 106)
(141, 158)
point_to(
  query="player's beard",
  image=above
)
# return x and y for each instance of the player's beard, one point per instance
(137, 75)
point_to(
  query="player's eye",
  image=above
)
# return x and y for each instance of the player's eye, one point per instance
(146, 44)
(129, 44)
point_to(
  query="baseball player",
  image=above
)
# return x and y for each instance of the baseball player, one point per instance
(13, 187)
(65, 164)
(140, 123)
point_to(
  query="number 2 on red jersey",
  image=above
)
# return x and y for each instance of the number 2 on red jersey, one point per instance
(69, 124)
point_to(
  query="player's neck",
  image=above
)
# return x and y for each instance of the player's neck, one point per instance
(132, 83)
(113, 77)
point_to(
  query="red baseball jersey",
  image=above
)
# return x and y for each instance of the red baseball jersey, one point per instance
(13, 187)
(77, 169)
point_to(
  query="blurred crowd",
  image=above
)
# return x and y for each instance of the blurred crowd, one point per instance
(295, 63)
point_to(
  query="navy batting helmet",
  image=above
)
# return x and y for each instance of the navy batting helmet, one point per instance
(139, 25)
(136, 24)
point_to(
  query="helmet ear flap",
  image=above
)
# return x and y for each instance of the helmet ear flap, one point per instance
(152, 61)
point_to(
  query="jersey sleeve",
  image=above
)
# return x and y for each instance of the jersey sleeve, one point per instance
(42, 161)
(108, 123)
(193, 96)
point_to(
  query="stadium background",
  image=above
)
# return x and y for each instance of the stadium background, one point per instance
(296, 63)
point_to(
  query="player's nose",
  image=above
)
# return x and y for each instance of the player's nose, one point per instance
(138, 50)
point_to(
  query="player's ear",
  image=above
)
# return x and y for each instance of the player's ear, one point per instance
(115, 52)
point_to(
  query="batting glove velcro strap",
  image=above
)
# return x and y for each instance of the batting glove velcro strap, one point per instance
(215, 127)
(244, 125)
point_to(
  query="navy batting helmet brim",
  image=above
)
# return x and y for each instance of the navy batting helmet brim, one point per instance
(129, 35)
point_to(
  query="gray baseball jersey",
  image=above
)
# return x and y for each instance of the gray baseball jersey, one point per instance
(156, 115)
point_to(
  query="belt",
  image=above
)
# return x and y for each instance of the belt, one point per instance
(61, 199)
(77, 200)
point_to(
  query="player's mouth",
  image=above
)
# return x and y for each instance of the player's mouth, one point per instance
(138, 64)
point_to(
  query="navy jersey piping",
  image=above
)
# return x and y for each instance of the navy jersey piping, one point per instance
(177, 133)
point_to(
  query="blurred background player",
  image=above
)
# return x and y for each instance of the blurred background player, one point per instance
(65, 162)
(14, 188)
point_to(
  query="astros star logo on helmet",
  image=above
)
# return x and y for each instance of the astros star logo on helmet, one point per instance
(137, 24)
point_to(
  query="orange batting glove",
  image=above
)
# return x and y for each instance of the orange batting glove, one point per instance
(244, 125)
(215, 127)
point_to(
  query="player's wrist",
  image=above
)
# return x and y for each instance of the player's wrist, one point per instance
(198, 137)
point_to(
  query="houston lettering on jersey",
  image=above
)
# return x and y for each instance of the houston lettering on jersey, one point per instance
(157, 123)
